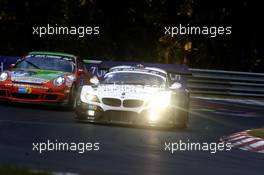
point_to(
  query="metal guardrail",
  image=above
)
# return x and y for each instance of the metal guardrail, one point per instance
(5, 62)
(229, 83)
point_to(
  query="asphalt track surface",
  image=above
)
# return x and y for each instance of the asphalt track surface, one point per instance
(126, 150)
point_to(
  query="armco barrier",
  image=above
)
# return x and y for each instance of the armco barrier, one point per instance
(6, 61)
(228, 83)
(201, 82)
(1, 66)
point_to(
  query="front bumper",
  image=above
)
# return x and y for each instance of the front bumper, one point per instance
(92, 113)
(31, 93)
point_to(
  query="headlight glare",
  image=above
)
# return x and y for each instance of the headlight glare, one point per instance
(161, 100)
(176, 85)
(59, 81)
(3, 76)
(153, 116)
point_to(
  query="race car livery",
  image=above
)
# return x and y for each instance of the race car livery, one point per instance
(44, 77)
(135, 95)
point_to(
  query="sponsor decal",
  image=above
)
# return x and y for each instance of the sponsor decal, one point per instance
(20, 73)
(28, 80)
(31, 86)
(24, 90)
(25, 76)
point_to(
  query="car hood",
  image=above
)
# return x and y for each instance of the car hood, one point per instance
(34, 76)
(125, 91)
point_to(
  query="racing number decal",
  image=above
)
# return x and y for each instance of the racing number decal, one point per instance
(175, 77)
(99, 73)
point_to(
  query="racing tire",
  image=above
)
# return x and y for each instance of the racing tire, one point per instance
(181, 122)
(184, 118)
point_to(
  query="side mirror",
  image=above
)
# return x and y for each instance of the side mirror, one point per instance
(94, 80)
(175, 86)
(80, 71)
(12, 66)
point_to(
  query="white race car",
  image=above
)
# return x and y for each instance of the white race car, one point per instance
(134, 95)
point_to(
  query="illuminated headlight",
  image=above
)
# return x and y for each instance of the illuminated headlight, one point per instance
(59, 81)
(176, 85)
(3, 76)
(161, 100)
(86, 97)
(94, 80)
(153, 116)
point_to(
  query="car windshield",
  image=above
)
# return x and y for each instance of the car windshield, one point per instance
(47, 62)
(134, 78)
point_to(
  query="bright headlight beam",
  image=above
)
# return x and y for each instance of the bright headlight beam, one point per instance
(176, 85)
(153, 116)
(160, 100)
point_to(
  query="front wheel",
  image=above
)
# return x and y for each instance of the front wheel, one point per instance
(181, 121)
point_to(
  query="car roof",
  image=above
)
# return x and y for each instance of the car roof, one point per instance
(51, 53)
(137, 68)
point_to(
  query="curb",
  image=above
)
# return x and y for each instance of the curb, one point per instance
(244, 141)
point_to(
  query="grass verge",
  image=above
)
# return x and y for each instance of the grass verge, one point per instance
(20, 171)
(257, 133)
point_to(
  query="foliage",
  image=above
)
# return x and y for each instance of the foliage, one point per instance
(134, 30)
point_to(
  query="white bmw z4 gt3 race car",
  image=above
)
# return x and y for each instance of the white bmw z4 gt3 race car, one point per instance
(134, 95)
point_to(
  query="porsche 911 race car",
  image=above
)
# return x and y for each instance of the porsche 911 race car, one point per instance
(134, 95)
(45, 78)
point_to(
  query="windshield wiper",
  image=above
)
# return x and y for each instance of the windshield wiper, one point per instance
(32, 64)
